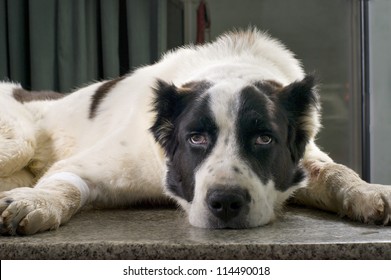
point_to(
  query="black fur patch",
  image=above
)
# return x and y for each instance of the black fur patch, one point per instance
(23, 96)
(297, 100)
(268, 110)
(181, 113)
(100, 95)
(299, 176)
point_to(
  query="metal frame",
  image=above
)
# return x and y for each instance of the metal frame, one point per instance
(365, 90)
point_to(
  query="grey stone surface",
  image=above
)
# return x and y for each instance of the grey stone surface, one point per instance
(165, 234)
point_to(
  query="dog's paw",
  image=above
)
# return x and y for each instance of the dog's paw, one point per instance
(26, 211)
(368, 203)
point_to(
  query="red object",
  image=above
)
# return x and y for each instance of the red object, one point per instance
(203, 22)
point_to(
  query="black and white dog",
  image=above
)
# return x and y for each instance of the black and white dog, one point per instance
(226, 129)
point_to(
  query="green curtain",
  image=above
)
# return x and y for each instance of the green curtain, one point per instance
(63, 44)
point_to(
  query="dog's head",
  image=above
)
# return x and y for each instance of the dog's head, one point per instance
(233, 149)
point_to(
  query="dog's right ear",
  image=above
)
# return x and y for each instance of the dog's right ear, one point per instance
(168, 104)
(301, 102)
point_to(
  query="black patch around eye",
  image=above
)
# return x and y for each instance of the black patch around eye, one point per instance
(180, 112)
(254, 120)
(285, 110)
(259, 115)
(186, 158)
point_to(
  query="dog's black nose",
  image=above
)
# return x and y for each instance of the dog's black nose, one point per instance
(227, 203)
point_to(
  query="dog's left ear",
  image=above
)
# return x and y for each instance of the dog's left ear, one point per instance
(301, 102)
(169, 102)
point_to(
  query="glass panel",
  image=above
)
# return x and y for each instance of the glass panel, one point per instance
(380, 85)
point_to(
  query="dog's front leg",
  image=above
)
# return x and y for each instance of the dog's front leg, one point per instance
(49, 204)
(335, 187)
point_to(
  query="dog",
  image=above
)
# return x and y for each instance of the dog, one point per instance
(226, 130)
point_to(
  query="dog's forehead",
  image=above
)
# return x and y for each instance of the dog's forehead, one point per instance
(230, 98)
(224, 101)
(227, 102)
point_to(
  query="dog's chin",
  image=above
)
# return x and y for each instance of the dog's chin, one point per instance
(211, 222)
(235, 224)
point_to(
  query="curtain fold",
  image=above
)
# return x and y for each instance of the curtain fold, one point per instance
(110, 41)
(41, 43)
(63, 44)
(17, 56)
(3, 41)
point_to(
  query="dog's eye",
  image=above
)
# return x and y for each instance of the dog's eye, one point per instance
(198, 139)
(263, 140)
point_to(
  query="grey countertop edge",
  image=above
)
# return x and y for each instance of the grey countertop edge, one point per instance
(124, 250)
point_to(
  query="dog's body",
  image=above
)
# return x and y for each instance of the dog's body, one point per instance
(226, 129)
